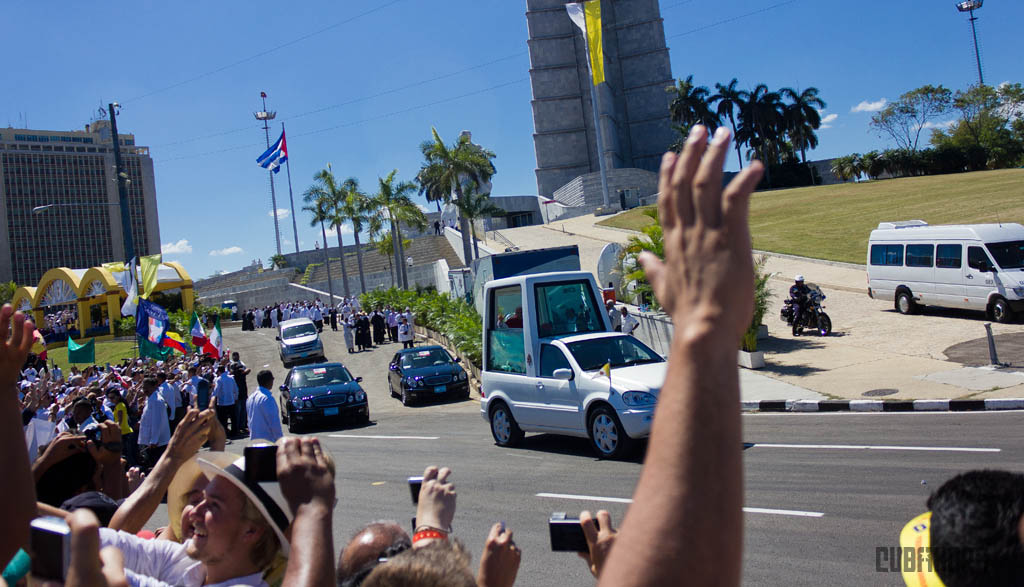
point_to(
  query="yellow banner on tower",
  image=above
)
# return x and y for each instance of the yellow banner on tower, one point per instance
(587, 16)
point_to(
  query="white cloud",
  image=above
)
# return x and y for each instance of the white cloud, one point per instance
(870, 106)
(181, 247)
(226, 251)
(826, 121)
(281, 213)
(942, 125)
(424, 209)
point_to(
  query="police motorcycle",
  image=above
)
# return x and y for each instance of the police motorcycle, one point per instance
(813, 315)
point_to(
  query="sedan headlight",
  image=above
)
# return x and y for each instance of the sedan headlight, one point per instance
(307, 404)
(360, 396)
(417, 382)
(639, 398)
(296, 402)
(462, 375)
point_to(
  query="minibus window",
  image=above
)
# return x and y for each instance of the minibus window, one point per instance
(919, 255)
(948, 256)
(1009, 255)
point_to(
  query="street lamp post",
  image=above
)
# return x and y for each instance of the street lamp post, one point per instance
(122, 190)
(970, 6)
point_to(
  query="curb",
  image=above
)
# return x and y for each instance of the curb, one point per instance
(920, 405)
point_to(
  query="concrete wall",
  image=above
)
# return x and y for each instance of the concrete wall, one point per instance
(455, 240)
(586, 191)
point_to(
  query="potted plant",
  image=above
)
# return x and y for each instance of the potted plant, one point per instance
(749, 356)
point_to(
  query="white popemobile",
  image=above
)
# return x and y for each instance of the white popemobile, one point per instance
(552, 364)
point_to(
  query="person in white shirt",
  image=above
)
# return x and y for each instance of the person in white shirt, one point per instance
(318, 318)
(613, 316)
(30, 374)
(629, 323)
(81, 415)
(57, 373)
(264, 422)
(172, 397)
(154, 428)
(238, 531)
(405, 334)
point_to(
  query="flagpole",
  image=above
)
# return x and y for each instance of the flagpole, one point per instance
(288, 167)
(265, 116)
(595, 106)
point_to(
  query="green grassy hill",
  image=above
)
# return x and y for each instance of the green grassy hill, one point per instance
(833, 222)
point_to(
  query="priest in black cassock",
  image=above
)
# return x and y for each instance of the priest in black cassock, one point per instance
(378, 323)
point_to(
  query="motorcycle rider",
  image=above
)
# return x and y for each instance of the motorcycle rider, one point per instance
(798, 294)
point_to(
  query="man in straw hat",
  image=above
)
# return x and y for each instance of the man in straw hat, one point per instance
(240, 526)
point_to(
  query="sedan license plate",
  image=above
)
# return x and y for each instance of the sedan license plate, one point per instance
(330, 411)
(439, 389)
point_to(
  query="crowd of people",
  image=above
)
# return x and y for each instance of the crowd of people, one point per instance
(226, 528)
(362, 329)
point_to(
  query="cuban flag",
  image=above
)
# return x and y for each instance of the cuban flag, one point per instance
(275, 156)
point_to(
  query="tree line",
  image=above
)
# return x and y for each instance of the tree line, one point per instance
(986, 133)
(775, 126)
(450, 173)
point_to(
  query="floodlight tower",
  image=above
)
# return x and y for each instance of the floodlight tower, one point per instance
(970, 6)
(266, 116)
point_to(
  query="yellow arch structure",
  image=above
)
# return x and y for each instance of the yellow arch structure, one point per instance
(88, 287)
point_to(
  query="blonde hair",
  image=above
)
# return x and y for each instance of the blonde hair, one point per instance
(267, 547)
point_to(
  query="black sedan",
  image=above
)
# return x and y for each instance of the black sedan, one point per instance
(426, 371)
(320, 393)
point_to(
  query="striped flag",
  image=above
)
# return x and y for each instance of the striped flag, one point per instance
(196, 330)
(215, 344)
(173, 340)
(274, 157)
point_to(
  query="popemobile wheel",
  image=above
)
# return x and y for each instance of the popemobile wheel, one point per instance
(504, 429)
(607, 437)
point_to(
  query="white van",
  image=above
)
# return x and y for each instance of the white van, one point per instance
(970, 266)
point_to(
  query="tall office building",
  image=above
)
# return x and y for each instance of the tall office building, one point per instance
(75, 170)
(634, 104)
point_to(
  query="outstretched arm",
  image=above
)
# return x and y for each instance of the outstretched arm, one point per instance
(686, 519)
(20, 504)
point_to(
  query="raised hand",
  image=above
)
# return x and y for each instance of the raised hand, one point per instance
(499, 562)
(436, 507)
(303, 473)
(13, 350)
(599, 541)
(706, 281)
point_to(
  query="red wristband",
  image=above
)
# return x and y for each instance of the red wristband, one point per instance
(428, 534)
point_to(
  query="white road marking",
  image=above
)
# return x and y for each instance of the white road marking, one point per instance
(748, 510)
(877, 414)
(384, 437)
(875, 447)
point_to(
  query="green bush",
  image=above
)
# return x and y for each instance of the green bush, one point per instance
(453, 318)
(125, 326)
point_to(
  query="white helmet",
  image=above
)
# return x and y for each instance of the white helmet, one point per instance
(799, 278)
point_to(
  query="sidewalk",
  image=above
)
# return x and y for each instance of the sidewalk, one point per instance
(874, 353)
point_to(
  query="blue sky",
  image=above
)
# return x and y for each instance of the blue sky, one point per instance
(360, 84)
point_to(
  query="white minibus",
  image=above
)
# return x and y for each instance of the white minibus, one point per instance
(970, 266)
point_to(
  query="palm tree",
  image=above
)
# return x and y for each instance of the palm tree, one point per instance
(353, 207)
(474, 205)
(381, 241)
(761, 126)
(652, 241)
(444, 170)
(325, 187)
(395, 206)
(802, 118)
(728, 100)
(691, 106)
(320, 208)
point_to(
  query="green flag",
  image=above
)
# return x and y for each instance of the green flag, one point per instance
(153, 351)
(82, 353)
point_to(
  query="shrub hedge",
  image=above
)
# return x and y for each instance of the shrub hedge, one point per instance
(449, 316)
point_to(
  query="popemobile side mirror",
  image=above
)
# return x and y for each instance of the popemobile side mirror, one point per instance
(277, 338)
(563, 374)
(359, 379)
(283, 388)
(458, 359)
